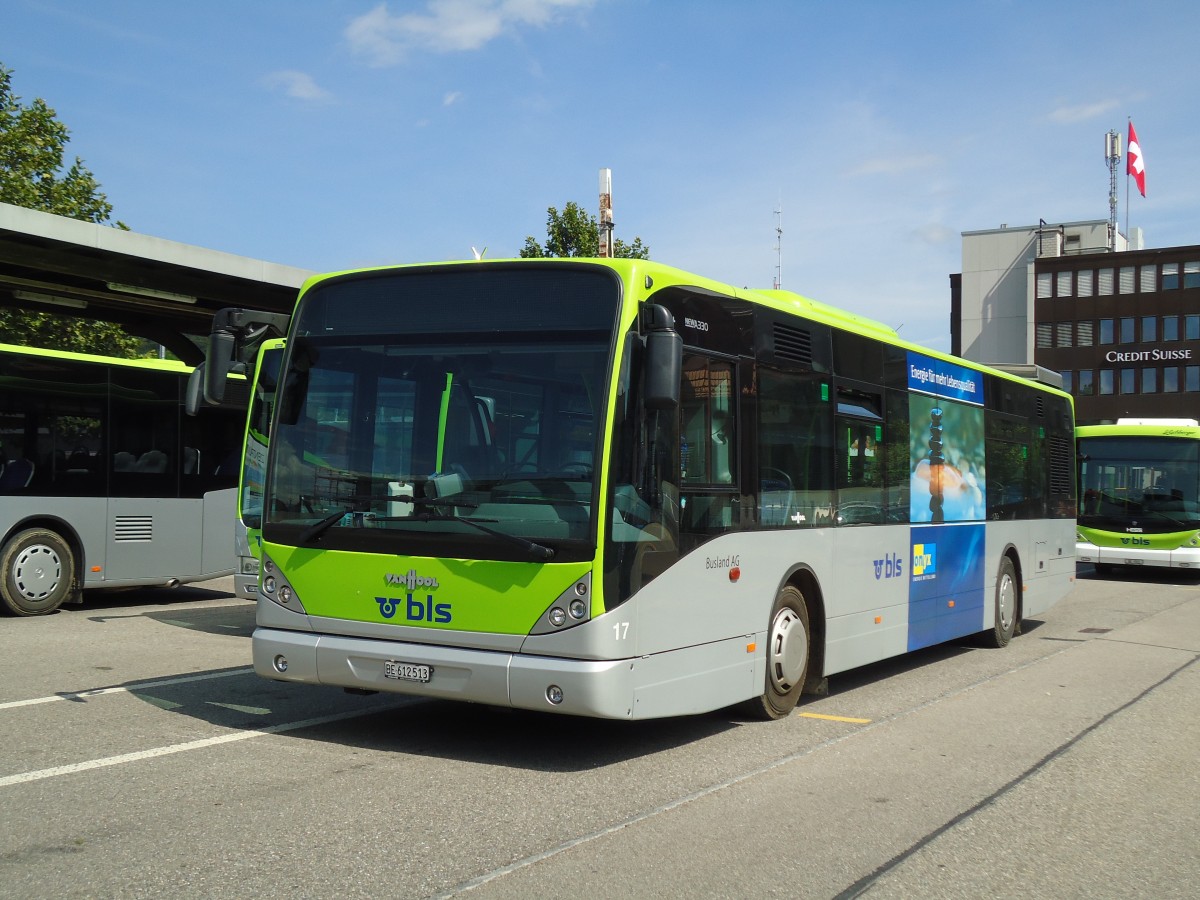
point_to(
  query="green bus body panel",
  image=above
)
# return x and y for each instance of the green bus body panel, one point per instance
(457, 594)
(1102, 538)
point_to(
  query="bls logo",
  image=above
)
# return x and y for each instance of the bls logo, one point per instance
(891, 566)
(1136, 542)
(415, 610)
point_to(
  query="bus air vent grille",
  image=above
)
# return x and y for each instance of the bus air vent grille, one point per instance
(1060, 466)
(792, 344)
(133, 528)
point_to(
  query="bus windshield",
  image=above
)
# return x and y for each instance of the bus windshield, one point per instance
(1153, 480)
(445, 416)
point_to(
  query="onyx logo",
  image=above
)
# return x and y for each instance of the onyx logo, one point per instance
(891, 566)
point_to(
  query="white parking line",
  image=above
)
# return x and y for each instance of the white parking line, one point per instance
(151, 753)
(126, 688)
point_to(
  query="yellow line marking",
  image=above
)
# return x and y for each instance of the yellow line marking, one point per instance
(835, 718)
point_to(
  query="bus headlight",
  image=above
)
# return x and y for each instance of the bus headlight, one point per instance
(250, 565)
(269, 584)
(570, 608)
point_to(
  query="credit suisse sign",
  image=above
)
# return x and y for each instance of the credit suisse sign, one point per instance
(1155, 355)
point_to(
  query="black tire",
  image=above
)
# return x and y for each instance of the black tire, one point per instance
(789, 650)
(1007, 605)
(37, 572)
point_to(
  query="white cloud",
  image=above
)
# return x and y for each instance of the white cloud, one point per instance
(384, 39)
(451, 98)
(1069, 115)
(295, 84)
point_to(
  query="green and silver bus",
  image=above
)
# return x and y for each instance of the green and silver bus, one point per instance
(104, 482)
(1139, 494)
(248, 528)
(611, 488)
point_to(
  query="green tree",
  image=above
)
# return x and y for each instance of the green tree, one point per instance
(574, 232)
(32, 150)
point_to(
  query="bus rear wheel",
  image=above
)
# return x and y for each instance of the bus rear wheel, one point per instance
(788, 653)
(1007, 598)
(38, 570)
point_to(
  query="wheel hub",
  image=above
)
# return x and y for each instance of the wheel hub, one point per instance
(37, 571)
(788, 651)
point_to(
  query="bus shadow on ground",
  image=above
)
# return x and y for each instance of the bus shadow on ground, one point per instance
(1142, 574)
(520, 739)
(100, 601)
(392, 723)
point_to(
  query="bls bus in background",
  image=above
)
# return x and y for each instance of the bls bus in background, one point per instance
(248, 528)
(1139, 494)
(611, 488)
(104, 482)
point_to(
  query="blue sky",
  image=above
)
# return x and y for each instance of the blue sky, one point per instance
(329, 135)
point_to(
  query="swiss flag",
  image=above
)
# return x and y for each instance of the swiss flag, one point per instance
(1136, 165)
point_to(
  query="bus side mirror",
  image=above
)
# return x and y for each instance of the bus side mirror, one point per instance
(220, 361)
(194, 398)
(664, 360)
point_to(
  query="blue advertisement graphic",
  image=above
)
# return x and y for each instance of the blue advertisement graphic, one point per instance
(944, 379)
(945, 590)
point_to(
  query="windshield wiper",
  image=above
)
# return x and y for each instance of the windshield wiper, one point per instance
(314, 531)
(540, 552)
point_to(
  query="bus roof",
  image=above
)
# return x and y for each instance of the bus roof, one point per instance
(655, 275)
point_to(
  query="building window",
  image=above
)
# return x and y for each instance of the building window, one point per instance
(1191, 274)
(1045, 284)
(1045, 335)
(1171, 380)
(1149, 328)
(1084, 333)
(1063, 289)
(1127, 279)
(1062, 334)
(1191, 327)
(1087, 384)
(1083, 283)
(1106, 331)
(1106, 381)
(1127, 336)
(1170, 328)
(1106, 282)
(1149, 380)
(1148, 282)
(1191, 378)
(1129, 381)
(1067, 380)
(1170, 276)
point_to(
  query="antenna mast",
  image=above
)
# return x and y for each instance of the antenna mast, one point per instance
(606, 220)
(1112, 156)
(779, 246)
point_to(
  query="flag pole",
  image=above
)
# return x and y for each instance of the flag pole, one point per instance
(1129, 124)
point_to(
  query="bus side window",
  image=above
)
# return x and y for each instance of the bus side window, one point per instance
(795, 444)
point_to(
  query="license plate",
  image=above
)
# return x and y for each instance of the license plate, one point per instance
(404, 671)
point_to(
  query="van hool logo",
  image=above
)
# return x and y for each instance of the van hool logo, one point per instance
(412, 580)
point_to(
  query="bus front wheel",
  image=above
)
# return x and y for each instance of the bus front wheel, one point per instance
(788, 652)
(1007, 598)
(38, 570)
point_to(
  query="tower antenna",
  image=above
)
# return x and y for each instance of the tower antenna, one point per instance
(779, 246)
(1112, 156)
